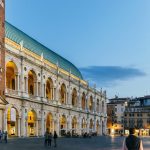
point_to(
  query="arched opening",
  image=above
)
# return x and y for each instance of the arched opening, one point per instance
(63, 125)
(49, 89)
(74, 125)
(84, 126)
(91, 125)
(12, 122)
(49, 123)
(91, 104)
(11, 75)
(32, 123)
(74, 97)
(83, 101)
(97, 106)
(97, 127)
(63, 94)
(32, 79)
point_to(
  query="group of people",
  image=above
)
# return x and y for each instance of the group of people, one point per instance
(3, 136)
(48, 138)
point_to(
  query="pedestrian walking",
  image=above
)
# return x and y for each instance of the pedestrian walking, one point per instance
(132, 142)
(55, 139)
(46, 137)
(1, 136)
(5, 136)
(49, 139)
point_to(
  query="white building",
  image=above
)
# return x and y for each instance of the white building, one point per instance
(46, 91)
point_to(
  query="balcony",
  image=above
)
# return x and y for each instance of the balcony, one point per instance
(11, 92)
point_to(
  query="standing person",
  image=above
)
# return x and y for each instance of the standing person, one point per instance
(1, 135)
(5, 136)
(132, 142)
(46, 137)
(49, 139)
(55, 139)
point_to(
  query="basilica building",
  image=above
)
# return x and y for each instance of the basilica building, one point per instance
(45, 91)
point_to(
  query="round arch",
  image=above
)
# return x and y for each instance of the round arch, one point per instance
(91, 103)
(91, 125)
(74, 125)
(12, 121)
(74, 97)
(49, 89)
(97, 127)
(31, 121)
(63, 124)
(49, 122)
(63, 94)
(32, 79)
(11, 72)
(83, 101)
(84, 125)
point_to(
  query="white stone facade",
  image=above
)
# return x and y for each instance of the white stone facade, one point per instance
(54, 108)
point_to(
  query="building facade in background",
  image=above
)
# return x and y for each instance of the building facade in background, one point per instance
(137, 115)
(45, 91)
(115, 112)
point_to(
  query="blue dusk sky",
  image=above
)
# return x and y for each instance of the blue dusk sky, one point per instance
(108, 40)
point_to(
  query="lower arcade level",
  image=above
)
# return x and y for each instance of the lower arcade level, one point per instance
(23, 118)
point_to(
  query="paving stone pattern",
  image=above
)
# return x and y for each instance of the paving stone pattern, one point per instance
(94, 143)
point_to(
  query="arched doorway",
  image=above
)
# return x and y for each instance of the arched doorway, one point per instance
(83, 101)
(91, 104)
(63, 124)
(32, 79)
(84, 125)
(49, 89)
(49, 123)
(74, 125)
(97, 127)
(11, 76)
(12, 122)
(74, 97)
(91, 125)
(32, 123)
(63, 94)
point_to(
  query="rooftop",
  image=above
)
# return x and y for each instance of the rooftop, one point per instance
(36, 47)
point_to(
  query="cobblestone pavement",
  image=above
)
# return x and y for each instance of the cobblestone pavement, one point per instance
(94, 143)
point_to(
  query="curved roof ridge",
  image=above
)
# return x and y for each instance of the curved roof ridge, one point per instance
(33, 45)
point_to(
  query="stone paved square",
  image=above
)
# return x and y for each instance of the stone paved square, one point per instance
(94, 143)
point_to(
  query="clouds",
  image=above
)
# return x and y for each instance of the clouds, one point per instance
(105, 76)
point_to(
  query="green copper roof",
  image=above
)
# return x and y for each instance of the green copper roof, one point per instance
(17, 36)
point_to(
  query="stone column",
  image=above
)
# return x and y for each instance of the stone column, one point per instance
(42, 124)
(19, 121)
(57, 125)
(94, 125)
(79, 126)
(27, 85)
(5, 121)
(57, 98)
(37, 91)
(37, 128)
(53, 93)
(88, 126)
(23, 125)
(26, 127)
(87, 103)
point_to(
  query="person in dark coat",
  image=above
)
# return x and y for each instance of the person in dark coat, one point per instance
(132, 142)
(5, 136)
(49, 139)
(55, 139)
(46, 137)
